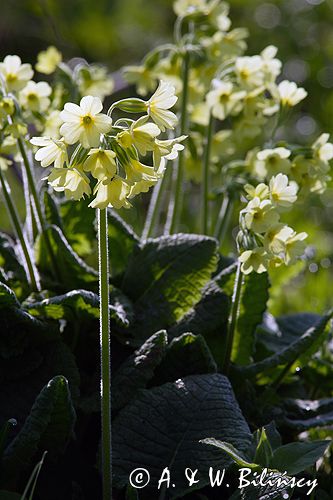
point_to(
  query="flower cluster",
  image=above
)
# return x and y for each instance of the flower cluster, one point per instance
(308, 167)
(263, 239)
(110, 155)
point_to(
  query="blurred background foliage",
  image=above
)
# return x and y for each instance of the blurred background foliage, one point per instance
(119, 32)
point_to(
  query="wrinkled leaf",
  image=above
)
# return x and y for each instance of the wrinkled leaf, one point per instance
(163, 427)
(122, 242)
(296, 457)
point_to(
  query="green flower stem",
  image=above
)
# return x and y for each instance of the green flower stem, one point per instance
(29, 265)
(105, 352)
(37, 205)
(205, 176)
(183, 128)
(232, 323)
(223, 218)
(155, 205)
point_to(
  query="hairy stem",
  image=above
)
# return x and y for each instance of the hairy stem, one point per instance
(180, 167)
(205, 176)
(105, 352)
(29, 266)
(232, 323)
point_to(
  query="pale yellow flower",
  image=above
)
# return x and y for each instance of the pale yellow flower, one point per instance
(260, 215)
(35, 96)
(271, 161)
(101, 163)
(223, 100)
(276, 237)
(282, 193)
(260, 191)
(290, 94)
(248, 70)
(94, 80)
(84, 123)
(111, 193)
(254, 260)
(15, 74)
(141, 134)
(167, 149)
(50, 151)
(48, 60)
(52, 124)
(72, 181)
(294, 247)
(159, 104)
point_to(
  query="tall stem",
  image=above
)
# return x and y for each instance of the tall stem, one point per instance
(105, 352)
(232, 324)
(223, 218)
(183, 128)
(155, 205)
(205, 175)
(37, 205)
(28, 263)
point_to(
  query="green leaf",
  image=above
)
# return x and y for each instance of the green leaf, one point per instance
(296, 457)
(165, 279)
(10, 264)
(24, 375)
(208, 317)
(137, 370)
(73, 271)
(48, 427)
(231, 451)
(253, 304)
(186, 355)
(80, 306)
(163, 427)
(78, 225)
(122, 243)
(299, 349)
(7, 297)
(303, 415)
(264, 450)
(51, 210)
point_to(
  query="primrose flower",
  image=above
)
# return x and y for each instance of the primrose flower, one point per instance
(52, 124)
(191, 7)
(94, 80)
(260, 215)
(137, 171)
(276, 237)
(294, 247)
(271, 66)
(270, 161)
(7, 107)
(144, 78)
(281, 192)
(322, 149)
(101, 163)
(254, 260)
(158, 106)
(35, 96)
(111, 193)
(72, 181)
(167, 149)
(48, 60)
(50, 151)
(261, 191)
(289, 94)
(84, 123)
(140, 134)
(15, 74)
(222, 99)
(248, 70)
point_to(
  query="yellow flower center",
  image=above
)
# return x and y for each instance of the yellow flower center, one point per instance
(32, 97)
(11, 77)
(86, 120)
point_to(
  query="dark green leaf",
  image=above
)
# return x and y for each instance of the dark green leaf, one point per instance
(296, 457)
(78, 221)
(264, 450)
(48, 427)
(163, 427)
(73, 272)
(80, 306)
(186, 355)
(7, 297)
(122, 242)
(253, 303)
(300, 348)
(9, 495)
(165, 279)
(137, 370)
(231, 451)
(51, 210)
